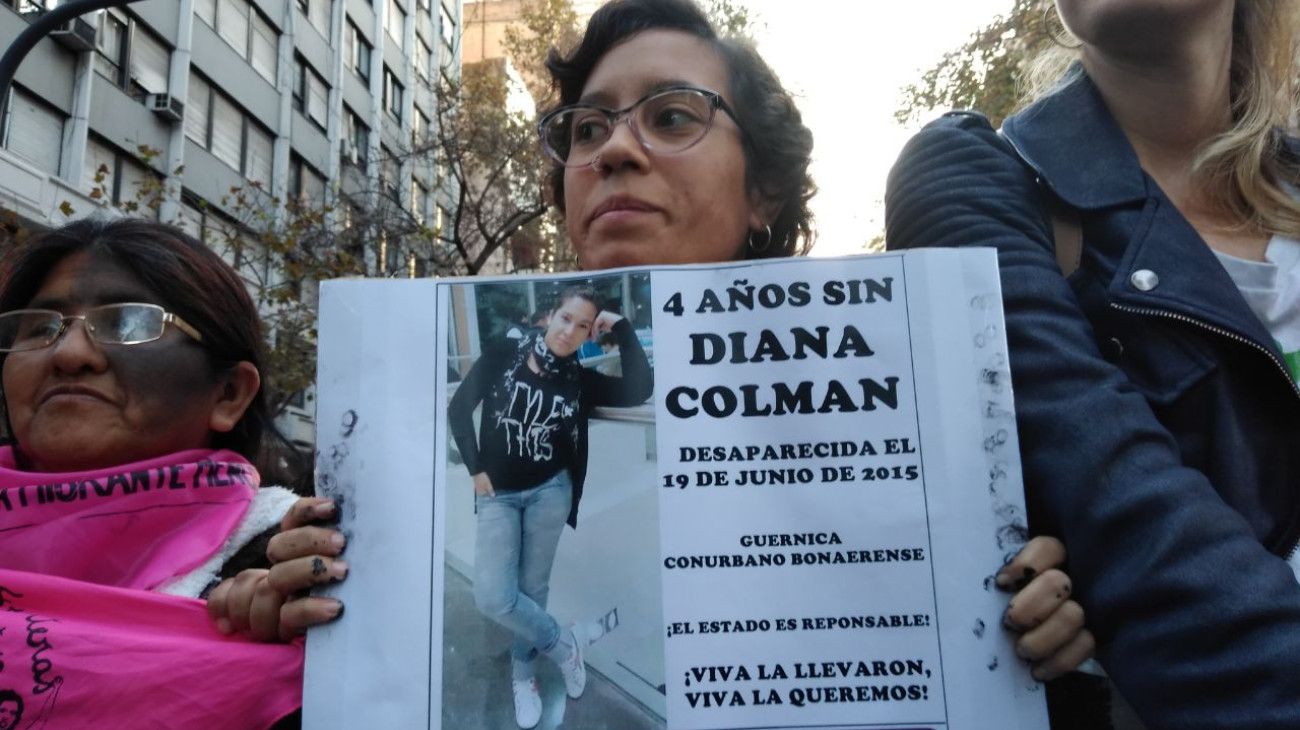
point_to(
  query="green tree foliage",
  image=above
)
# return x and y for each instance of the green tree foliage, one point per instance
(986, 73)
(543, 25)
(731, 19)
(492, 155)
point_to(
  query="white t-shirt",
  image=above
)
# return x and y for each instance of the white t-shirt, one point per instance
(1272, 289)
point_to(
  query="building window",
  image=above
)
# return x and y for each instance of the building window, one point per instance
(34, 131)
(198, 111)
(306, 186)
(395, 23)
(392, 94)
(100, 171)
(245, 30)
(356, 52)
(419, 128)
(317, 12)
(227, 142)
(357, 135)
(235, 245)
(447, 26)
(423, 60)
(310, 93)
(389, 172)
(419, 200)
(117, 178)
(206, 10)
(259, 151)
(110, 47)
(232, 24)
(239, 248)
(215, 123)
(149, 62)
(191, 219)
(443, 219)
(264, 50)
(131, 57)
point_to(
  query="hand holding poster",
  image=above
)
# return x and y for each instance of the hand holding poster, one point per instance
(800, 533)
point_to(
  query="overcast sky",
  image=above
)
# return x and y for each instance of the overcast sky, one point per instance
(847, 61)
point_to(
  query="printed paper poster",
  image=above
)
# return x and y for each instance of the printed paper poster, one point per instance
(794, 525)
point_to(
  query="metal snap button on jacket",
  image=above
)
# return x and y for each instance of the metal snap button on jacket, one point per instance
(1144, 280)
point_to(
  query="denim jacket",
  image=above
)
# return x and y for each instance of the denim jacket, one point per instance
(1159, 428)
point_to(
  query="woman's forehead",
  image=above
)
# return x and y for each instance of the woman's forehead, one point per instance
(88, 279)
(651, 60)
(577, 305)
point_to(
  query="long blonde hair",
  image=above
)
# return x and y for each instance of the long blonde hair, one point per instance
(1243, 171)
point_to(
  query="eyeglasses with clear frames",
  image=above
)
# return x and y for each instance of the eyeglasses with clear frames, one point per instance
(664, 121)
(128, 323)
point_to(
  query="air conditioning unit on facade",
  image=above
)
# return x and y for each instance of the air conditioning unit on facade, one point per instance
(166, 106)
(76, 35)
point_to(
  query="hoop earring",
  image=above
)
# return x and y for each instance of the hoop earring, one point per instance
(765, 240)
(1058, 35)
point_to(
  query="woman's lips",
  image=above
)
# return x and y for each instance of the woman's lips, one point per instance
(72, 392)
(620, 208)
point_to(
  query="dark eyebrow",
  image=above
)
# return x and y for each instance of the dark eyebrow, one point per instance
(606, 99)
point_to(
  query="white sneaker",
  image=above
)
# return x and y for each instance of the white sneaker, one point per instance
(573, 669)
(528, 702)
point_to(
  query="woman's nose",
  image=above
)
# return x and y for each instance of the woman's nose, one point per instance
(622, 149)
(74, 349)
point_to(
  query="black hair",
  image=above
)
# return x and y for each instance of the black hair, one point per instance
(8, 695)
(577, 291)
(778, 146)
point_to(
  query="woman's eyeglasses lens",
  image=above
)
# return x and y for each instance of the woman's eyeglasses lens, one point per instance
(112, 324)
(670, 121)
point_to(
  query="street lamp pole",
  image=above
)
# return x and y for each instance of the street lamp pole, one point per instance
(39, 28)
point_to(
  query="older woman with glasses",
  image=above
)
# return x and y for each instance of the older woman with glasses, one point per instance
(139, 433)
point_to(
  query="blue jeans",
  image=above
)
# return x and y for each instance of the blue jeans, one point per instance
(518, 533)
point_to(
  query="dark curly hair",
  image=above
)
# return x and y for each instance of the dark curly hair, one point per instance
(777, 144)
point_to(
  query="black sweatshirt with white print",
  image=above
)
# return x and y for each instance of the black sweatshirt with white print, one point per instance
(533, 425)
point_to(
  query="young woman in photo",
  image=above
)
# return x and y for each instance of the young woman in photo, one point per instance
(529, 462)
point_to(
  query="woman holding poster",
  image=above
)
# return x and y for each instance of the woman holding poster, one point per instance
(132, 394)
(673, 145)
(1156, 374)
(528, 463)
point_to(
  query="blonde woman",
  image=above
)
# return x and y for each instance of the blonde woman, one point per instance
(1156, 383)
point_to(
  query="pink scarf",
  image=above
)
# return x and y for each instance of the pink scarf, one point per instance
(85, 642)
